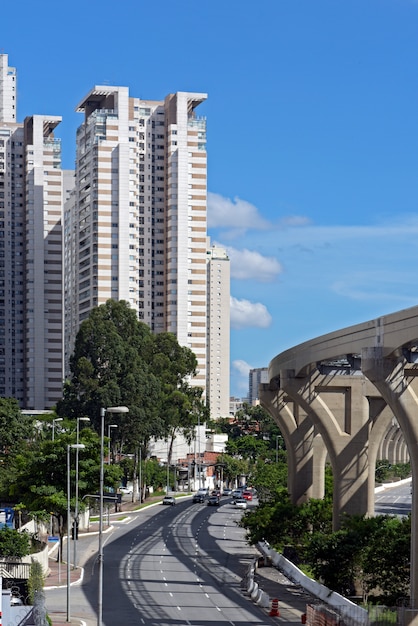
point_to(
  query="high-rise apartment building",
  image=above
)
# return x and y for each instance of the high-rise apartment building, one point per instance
(255, 378)
(218, 307)
(30, 253)
(135, 228)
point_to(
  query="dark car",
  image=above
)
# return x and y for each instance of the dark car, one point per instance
(169, 500)
(213, 501)
(199, 498)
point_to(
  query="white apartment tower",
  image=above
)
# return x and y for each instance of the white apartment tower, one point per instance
(30, 253)
(135, 228)
(218, 309)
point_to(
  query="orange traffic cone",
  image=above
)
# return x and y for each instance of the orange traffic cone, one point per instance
(274, 611)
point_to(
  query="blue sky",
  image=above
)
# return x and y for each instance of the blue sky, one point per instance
(312, 140)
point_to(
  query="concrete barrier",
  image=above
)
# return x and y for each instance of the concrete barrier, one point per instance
(345, 607)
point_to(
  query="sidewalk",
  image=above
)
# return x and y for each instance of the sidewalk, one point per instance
(292, 598)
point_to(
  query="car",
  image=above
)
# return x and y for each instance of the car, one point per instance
(216, 492)
(203, 491)
(125, 490)
(237, 493)
(247, 495)
(213, 501)
(169, 500)
(240, 503)
(199, 498)
(227, 491)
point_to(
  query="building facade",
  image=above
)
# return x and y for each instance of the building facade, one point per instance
(218, 307)
(255, 378)
(130, 223)
(135, 226)
(31, 333)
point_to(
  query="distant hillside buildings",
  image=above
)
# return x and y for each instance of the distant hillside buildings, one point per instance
(129, 224)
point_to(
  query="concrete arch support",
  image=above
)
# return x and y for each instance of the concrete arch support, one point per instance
(397, 383)
(340, 412)
(298, 432)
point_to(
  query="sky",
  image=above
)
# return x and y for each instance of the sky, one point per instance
(312, 128)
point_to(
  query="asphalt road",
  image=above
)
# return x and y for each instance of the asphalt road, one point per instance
(179, 565)
(394, 500)
(169, 565)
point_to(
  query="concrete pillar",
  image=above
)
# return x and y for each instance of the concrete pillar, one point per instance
(397, 382)
(298, 432)
(339, 409)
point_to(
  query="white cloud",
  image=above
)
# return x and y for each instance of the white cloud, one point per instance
(236, 217)
(239, 372)
(245, 314)
(249, 264)
(242, 367)
(294, 220)
(236, 214)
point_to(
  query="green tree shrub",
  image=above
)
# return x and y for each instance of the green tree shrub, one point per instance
(14, 543)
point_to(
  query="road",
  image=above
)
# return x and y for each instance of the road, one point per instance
(178, 565)
(394, 500)
(169, 565)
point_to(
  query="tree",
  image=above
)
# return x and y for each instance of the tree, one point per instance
(233, 468)
(181, 403)
(110, 367)
(14, 426)
(16, 429)
(269, 479)
(385, 566)
(248, 447)
(118, 361)
(13, 543)
(36, 594)
(41, 480)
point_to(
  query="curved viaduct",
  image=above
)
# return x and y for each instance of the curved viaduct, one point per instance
(334, 398)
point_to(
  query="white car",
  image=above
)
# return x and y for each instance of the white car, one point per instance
(126, 490)
(240, 503)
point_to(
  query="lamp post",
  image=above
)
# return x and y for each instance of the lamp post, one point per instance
(75, 446)
(108, 436)
(79, 419)
(277, 448)
(58, 419)
(168, 467)
(103, 411)
(140, 475)
(199, 469)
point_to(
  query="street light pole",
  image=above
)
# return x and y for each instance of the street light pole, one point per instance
(103, 411)
(77, 447)
(140, 474)
(168, 468)
(199, 469)
(277, 448)
(79, 419)
(108, 436)
(58, 419)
